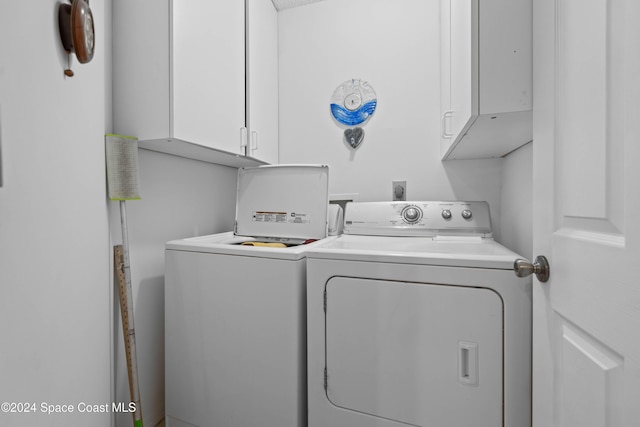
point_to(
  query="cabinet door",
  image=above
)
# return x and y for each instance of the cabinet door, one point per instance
(262, 81)
(445, 76)
(464, 65)
(141, 68)
(208, 72)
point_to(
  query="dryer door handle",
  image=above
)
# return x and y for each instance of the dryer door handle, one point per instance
(468, 363)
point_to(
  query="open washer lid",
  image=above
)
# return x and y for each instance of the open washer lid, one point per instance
(285, 203)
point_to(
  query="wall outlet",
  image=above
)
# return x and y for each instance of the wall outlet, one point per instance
(399, 190)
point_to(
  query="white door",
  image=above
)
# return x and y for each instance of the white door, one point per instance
(586, 320)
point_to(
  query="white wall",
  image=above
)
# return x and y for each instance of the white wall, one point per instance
(180, 198)
(517, 201)
(395, 46)
(54, 237)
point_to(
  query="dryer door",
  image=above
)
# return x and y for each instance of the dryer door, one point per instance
(416, 353)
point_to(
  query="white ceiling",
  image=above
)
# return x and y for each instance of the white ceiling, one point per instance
(286, 4)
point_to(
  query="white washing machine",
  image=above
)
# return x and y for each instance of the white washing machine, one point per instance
(415, 317)
(235, 315)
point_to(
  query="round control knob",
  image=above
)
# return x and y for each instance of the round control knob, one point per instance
(466, 214)
(446, 214)
(411, 214)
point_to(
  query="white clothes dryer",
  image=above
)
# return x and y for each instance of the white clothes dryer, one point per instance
(415, 317)
(235, 315)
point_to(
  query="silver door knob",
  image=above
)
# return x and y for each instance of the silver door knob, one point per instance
(540, 268)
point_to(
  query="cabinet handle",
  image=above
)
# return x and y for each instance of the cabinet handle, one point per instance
(445, 116)
(243, 141)
(254, 140)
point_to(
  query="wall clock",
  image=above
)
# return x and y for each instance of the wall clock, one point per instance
(77, 31)
(353, 102)
(352, 105)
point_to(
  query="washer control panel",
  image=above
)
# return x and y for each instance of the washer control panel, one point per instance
(432, 218)
(411, 214)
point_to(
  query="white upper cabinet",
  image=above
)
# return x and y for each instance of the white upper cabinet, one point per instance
(486, 77)
(262, 81)
(179, 74)
(207, 72)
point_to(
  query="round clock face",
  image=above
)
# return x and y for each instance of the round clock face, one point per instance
(82, 31)
(352, 101)
(88, 33)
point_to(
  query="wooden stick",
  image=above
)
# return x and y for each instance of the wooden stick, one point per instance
(128, 331)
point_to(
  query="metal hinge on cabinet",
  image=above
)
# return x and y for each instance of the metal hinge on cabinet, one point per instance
(326, 379)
